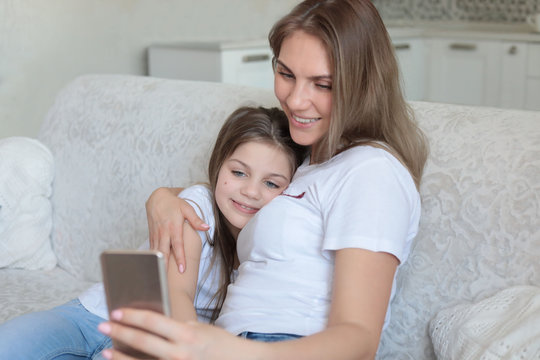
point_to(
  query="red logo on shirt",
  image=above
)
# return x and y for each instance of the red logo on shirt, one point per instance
(296, 196)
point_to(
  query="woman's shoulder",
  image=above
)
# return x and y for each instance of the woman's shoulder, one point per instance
(373, 160)
(363, 155)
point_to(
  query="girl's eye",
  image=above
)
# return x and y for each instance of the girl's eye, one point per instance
(238, 173)
(271, 185)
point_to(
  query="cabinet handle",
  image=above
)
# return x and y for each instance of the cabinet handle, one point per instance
(513, 50)
(402, 47)
(466, 47)
(255, 58)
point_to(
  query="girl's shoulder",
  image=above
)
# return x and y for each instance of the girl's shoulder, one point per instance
(200, 197)
(197, 190)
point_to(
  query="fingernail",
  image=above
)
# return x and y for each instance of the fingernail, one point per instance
(116, 314)
(206, 226)
(181, 268)
(105, 328)
(107, 354)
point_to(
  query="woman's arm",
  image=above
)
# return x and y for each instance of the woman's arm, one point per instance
(166, 213)
(183, 286)
(361, 291)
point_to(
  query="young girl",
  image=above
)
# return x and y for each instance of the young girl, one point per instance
(317, 266)
(252, 162)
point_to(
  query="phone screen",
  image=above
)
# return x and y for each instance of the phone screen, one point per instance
(135, 279)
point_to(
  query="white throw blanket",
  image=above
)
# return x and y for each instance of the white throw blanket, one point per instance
(26, 175)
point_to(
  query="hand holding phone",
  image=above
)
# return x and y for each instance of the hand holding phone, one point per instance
(135, 279)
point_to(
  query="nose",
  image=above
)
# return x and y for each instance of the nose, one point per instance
(251, 189)
(298, 98)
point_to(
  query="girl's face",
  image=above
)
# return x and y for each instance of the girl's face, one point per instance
(303, 86)
(253, 175)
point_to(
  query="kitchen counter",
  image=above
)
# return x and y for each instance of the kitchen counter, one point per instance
(462, 30)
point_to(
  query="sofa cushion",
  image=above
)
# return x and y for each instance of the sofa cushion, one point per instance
(24, 291)
(26, 176)
(502, 326)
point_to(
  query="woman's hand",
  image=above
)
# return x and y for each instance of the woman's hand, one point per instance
(166, 213)
(165, 338)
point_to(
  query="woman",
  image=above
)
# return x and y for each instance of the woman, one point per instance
(319, 261)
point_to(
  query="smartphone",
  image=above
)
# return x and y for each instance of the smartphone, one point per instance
(135, 279)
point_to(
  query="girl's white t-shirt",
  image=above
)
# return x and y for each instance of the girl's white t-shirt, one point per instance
(94, 300)
(361, 198)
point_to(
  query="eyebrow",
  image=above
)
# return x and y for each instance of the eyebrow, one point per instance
(248, 167)
(318, 77)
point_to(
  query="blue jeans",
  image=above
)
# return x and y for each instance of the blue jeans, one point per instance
(65, 332)
(265, 337)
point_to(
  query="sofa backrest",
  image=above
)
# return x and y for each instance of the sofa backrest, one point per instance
(115, 139)
(480, 225)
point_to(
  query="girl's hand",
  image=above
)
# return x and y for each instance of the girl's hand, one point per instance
(165, 338)
(166, 213)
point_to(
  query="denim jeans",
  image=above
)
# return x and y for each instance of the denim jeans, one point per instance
(65, 332)
(265, 337)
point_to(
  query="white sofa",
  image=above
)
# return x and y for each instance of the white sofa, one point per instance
(116, 138)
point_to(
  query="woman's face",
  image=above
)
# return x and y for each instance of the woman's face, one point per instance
(254, 174)
(303, 86)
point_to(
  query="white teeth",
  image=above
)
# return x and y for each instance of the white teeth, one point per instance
(246, 207)
(305, 121)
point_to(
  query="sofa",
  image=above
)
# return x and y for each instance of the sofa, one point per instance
(113, 139)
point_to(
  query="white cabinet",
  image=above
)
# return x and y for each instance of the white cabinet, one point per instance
(411, 60)
(244, 63)
(513, 74)
(532, 100)
(463, 71)
(451, 70)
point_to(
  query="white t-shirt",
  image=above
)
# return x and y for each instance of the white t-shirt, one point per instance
(94, 300)
(362, 198)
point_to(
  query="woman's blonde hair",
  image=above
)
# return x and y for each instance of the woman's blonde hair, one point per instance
(367, 102)
(246, 124)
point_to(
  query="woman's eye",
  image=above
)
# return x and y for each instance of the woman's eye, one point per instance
(238, 173)
(271, 185)
(324, 86)
(285, 74)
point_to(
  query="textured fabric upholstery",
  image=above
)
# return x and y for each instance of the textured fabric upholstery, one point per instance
(479, 228)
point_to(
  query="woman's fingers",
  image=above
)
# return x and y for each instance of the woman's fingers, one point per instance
(165, 214)
(156, 340)
(176, 231)
(191, 216)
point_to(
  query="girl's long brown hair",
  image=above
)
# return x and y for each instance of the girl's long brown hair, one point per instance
(367, 102)
(246, 124)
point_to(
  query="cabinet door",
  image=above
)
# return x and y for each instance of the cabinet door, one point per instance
(513, 75)
(532, 101)
(410, 55)
(464, 71)
(250, 67)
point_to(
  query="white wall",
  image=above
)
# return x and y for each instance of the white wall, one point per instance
(46, 43)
